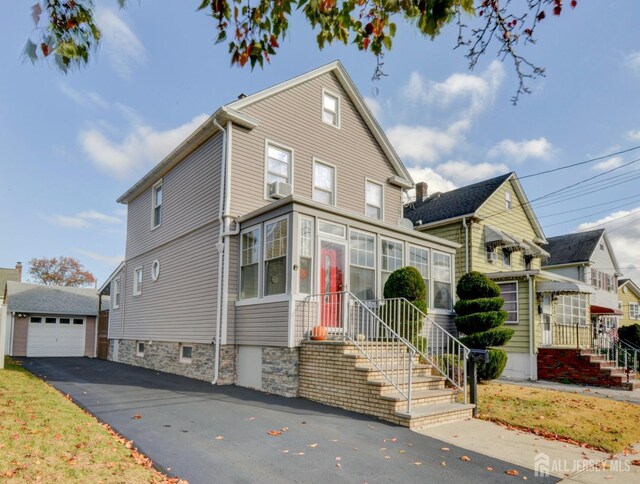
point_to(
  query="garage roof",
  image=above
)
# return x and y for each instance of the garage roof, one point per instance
(40, 299)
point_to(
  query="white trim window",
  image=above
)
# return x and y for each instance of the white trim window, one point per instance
(275, 257)
(186, 353)
(373, 199)
(442, 281)
(155, 270)
(506, 258)
(571, 309)
(507, 200)
(634, 311)
(391, 258)
(324, 183)
(305, 271)
(419, 258)
(140, 348)
(330, 109)
(278, 164)
(137, 281)
(362, 274)
(157, 204)
(116, 294)
(250, 263)
(509, 292)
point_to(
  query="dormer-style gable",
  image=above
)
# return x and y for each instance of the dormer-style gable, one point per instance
(583, 248)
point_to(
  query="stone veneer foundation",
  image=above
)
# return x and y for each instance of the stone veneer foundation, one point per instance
(281, 370)
(165, 356)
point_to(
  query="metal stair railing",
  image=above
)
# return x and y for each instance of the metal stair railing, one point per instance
(435, 345)
(618, 352)
(348, 318)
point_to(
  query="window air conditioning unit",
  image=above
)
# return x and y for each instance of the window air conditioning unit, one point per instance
(492, 257)
(278, 189)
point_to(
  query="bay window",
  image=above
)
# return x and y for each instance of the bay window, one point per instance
(275, 257)
(362, 279)
(249, 263)
(391, 259)
(419, 258)
(306, 255)
(442, 281)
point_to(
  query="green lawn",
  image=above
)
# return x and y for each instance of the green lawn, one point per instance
(601, 423)
(45, 437)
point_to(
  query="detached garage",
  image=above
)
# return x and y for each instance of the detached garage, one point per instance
(50, 320)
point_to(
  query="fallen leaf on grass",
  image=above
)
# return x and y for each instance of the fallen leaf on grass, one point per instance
(465, 458)
(446, 449)
(313, 446)
(387, 457)
(285, 451)
(284, 429)
(417, 463)
(219, 437)
(338, 458)
(489, 469)
(338, 464)
(391, 440)
(274, 433)
(401, 451)
(298, 453)
(137, 416)
(635, 462)
(443, 464)
(512, 472)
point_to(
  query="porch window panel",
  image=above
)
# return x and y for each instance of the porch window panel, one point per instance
(362, 283)
(249, 264)
(442, 281)
(306, 256)
(391, 259)
(419, 258)
(362, 279)
(275, 264)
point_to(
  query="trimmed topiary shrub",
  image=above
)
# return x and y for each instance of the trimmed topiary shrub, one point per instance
(631, 334)
(406, 283)
(480, 319)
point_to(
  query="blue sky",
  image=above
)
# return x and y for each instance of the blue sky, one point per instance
(71, 144)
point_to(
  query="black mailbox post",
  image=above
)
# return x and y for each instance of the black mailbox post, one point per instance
(477, 356)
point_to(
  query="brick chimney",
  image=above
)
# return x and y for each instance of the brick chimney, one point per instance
(19, 269)
(421, 191)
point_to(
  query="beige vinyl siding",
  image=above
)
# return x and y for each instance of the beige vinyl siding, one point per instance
(90, 336)
(625, 299)
(232, 288)
(181, 304)
(20, 333)
(293, 118)
(263, 324)
(189, 200)
(519, 343)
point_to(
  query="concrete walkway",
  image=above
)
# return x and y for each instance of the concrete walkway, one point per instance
(569, 462)
(621, 395)
(205, 433)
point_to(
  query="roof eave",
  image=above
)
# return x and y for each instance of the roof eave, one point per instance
(446, 221)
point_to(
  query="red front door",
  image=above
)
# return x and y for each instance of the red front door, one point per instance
(331, 283)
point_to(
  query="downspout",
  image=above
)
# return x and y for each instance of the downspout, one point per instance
(532, 334)
(466, 244)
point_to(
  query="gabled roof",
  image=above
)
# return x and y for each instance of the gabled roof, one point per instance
(629, 284)
(466, 202)
(105, 289)
(7, 275)
(575, 248)
(41, 299)
(232, 112)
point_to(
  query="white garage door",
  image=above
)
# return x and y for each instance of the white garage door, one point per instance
(55, 336)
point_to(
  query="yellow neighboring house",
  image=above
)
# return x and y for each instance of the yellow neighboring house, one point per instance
(629, 298)
(501, 237)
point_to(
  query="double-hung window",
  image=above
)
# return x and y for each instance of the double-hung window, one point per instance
(362, 279)
(373, 196)
(634, 312)
(278, 164)
(324, 183)
(391, 258)
(116, 293)
(442, 281)
(157, 204)
(419, 258)
(249, 263)
(507, 200)
(275, 257)
(509, 292)
(306, 255)
(137, 281)
(330, 109)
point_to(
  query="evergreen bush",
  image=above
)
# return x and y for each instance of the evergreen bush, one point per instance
(631, 334)
(406, 283)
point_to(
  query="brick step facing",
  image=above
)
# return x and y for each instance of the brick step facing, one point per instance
(337, 375)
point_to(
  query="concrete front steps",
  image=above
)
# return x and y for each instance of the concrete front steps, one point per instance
(336, 374)
(584, 367)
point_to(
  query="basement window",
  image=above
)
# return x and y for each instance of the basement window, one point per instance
(140, 348)
(186, 353)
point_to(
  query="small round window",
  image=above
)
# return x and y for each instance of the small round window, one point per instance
(155, 270)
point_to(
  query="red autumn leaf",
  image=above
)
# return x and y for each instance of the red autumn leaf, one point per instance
(512, 472)
(45, 49)
(274, 433)
(137, 416)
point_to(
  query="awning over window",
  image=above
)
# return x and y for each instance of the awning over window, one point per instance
(534, 250)
(601, 310)
(564, 287)
(493, 236)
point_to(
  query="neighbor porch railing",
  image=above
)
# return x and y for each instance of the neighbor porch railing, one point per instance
(390, 333)
(574, 335)
(620, 353)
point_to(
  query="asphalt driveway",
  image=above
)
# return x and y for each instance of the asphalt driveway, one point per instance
(205, 433)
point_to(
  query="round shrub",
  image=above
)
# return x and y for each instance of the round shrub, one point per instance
(474, 285)
(495, 367)
(405, 282)
(630, 334)
(477, 322)
(493, 337)
(470, 306)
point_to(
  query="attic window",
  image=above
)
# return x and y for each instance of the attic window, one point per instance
(330, 109)
(507, 200)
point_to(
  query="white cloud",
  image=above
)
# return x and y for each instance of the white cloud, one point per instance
(112, 261)
(633, 62)
(374, 106)
(435, 181)
(421, 143)
(634, 134)
(623, 234)
(609, 164)
(465, 173)
(123, 48)
(87, 99)
(84, 219)
(141, 147)
(518, 151)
